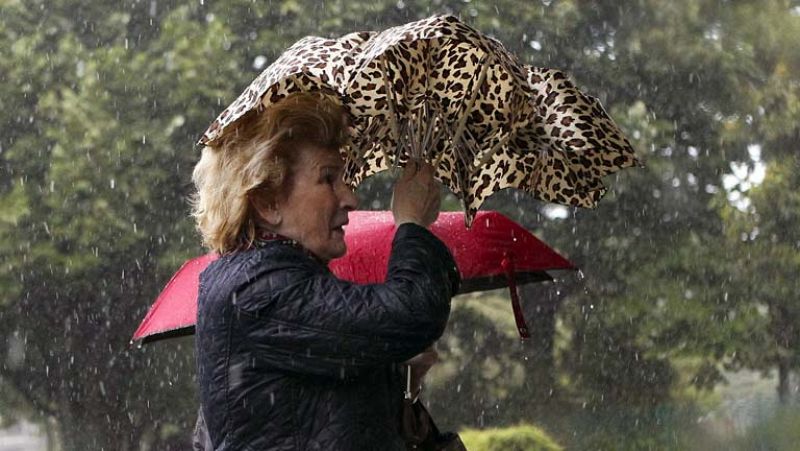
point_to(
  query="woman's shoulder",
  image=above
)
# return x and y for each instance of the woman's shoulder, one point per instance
(253, 262)
(234, 271)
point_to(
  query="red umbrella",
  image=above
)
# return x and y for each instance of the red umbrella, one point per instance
(494, 253)
(175, 310)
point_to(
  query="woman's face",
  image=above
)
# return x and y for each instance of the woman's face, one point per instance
(317, 203)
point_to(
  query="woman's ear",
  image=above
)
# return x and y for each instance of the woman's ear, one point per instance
(268, 212)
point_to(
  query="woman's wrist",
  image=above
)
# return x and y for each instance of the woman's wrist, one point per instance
(400, 221)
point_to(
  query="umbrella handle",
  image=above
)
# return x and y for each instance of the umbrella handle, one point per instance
(508, 266)
(407, 392)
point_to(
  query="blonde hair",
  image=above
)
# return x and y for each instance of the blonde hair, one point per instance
(258, 154)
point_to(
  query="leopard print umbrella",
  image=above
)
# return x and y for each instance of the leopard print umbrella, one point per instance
(441, 91)
(311, 64)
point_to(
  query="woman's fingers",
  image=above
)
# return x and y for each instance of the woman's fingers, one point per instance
(416, 195)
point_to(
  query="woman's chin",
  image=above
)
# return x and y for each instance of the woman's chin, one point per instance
(339, 250)
(334, 248)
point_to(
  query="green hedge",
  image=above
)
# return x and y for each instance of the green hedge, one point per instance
(517, 438)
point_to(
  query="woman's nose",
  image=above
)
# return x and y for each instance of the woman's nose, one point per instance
(347, 198)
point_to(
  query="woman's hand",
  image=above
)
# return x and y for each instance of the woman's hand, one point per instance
(420, 364)
(416, 196)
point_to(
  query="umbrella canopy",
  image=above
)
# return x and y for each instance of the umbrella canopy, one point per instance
(175, 310)
(439, 90)
(479, 251)
(311, 64)
(495, 252)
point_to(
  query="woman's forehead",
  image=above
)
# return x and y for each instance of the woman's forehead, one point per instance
(317, 156)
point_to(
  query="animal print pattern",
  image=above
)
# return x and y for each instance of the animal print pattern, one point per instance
(311, 64)
(441, 91)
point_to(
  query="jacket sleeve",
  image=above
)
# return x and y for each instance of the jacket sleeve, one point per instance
(310, 322)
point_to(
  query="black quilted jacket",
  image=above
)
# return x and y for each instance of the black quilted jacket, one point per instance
(292, 358)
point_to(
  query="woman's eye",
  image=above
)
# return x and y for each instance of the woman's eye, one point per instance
(329, 177)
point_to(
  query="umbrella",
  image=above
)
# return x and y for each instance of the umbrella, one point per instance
(175, 310)
(439, 90)
(494, 253)
(311, 64)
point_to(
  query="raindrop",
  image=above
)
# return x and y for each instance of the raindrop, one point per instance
(16, 351)
(259, 62)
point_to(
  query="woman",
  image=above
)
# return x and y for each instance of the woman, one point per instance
(289, 356)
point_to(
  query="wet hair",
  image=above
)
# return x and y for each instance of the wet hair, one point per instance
(257, 157)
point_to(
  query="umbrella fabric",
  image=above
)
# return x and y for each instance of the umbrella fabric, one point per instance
(311, 64)
(590, 144)
(175, 309)
(478, 251)
(494, 253)
(439, 90)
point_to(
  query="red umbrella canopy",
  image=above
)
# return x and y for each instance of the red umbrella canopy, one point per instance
(175, 310)
(479, 251)
(496, 252)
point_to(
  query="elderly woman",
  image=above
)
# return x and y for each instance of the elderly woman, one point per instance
(289, 356)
